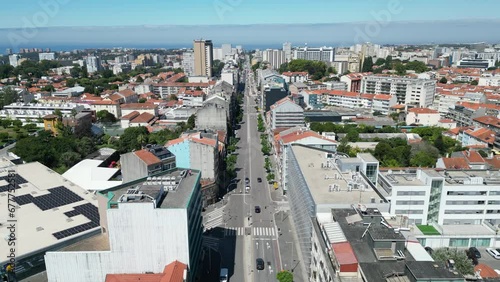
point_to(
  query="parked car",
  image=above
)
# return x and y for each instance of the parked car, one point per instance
(260, 264)
(259, 180)
(247, 181)
(429, 250)
(493, 252)
(473, 251)
(257, 209)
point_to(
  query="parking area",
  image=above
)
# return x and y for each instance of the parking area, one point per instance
(488, 259)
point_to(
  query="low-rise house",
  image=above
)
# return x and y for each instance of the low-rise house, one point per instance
(447, 123)
(285, 113)
(298, 76)
(148, 161)
(144, 119)
(477, 138)
(422, 116)
(382, 103)
(139, 107)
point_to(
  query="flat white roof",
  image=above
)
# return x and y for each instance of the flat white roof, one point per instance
(320, 180)
(418, 252)
(50, 210)
(88, 175)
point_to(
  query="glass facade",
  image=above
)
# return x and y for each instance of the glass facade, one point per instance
(480, 242)
(371, 172)
(459, 242)
(302, 206)
(434, 201)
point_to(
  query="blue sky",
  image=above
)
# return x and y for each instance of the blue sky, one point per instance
(210, 12)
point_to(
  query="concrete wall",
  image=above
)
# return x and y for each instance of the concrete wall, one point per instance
(202, 158)
(134, 250)
(211, 117)
(132, 167)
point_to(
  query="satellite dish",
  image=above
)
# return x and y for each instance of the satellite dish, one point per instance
(363, 208)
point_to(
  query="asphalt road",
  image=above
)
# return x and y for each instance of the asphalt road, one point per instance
(249, 235)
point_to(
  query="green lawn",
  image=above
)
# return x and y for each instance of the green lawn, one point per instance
(428, 230)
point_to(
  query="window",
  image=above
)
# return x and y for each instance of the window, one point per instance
(459, 242)
(480, 242)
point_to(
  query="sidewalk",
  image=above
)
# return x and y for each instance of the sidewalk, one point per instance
(289, 247)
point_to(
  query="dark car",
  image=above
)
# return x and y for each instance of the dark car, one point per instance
(259, 180)
(257, 209)
(260, 264)
(429, 250)
(247, 181)
(474, 252)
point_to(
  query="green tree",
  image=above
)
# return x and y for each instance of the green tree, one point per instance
(284, 276)
(17, 123)
(439, 144)
(48, 88)
(483, 153)
(443, 80)
(105, 116)
(388, 63)
(270, 177)
(474, 82)
(142, 100)
(423, 159)
(69, 159)
(352, 135)
(380, 62)
(6, 123)
(344, 146)
(58, 113)
(142, 140)
(191, 122)
(85, 146)
(7, 96)
(139, 79)
(417, 66)
(463, 264)
(129, 139)
(4, 136)
(400, 69)
(173, 97)
(367, 65)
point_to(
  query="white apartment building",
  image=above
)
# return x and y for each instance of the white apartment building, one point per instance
(285, 113)
(408, 91)
(275, 57)
(14, 60)
(146, 225)
(24, 112)
(46, 56)
(476, 63)
(428, 196)
(324, 54)
(188, 63)
(217, 54)
(226, 50)
(230, 76)
(382, 103)
(168, 88)
(423, 116)
(93, 64)
(287, 48)
(489, 80)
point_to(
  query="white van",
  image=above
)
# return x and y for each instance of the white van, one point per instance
(224, 275)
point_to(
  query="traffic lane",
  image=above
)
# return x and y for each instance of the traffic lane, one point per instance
(487, 259)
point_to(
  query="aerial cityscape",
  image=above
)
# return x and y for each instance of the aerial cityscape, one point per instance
(249, 141)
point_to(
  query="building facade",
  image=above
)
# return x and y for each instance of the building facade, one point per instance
(146, 162)
(323, 54)
(203, 58)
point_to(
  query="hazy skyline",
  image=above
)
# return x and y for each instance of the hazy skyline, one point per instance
(65, 13)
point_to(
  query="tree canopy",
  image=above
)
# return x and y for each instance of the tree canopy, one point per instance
(316, 69)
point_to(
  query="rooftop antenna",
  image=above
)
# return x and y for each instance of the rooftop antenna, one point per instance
(364, 233)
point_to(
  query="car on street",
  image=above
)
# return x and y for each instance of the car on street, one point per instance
(260, 264)
(493, 252)
(247, 181)
(257, 209)
(474, 252)
(259, 180)
(429, 250)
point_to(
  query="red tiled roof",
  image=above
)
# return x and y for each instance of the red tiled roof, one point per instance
(344, 253)
(147, 157)
(477, 106)
(489, 120)
(382, 97)
(290, 73)
(174, 272)
(473, 157)
(127, 92)
(104, 102)
(185, 84)
(485, 271)
(221, 135)
(130, 116)
(143, 118)
(175, 141)
(494, 162)
(456, 163)
(398, 106)
(423, 111)
(483, 134)
(368, 96)
(206, 141)
(139, 106)
(294, 136)
(446, 121)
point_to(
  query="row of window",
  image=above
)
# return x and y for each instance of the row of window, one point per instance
(416, 203)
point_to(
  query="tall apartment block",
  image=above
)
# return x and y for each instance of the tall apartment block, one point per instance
(413, 92)
(203, 57)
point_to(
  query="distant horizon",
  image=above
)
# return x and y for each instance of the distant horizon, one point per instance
(253, 36)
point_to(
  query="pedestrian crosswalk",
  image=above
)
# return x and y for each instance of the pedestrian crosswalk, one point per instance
(213, 219)
(210, 242)
(256, 231)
